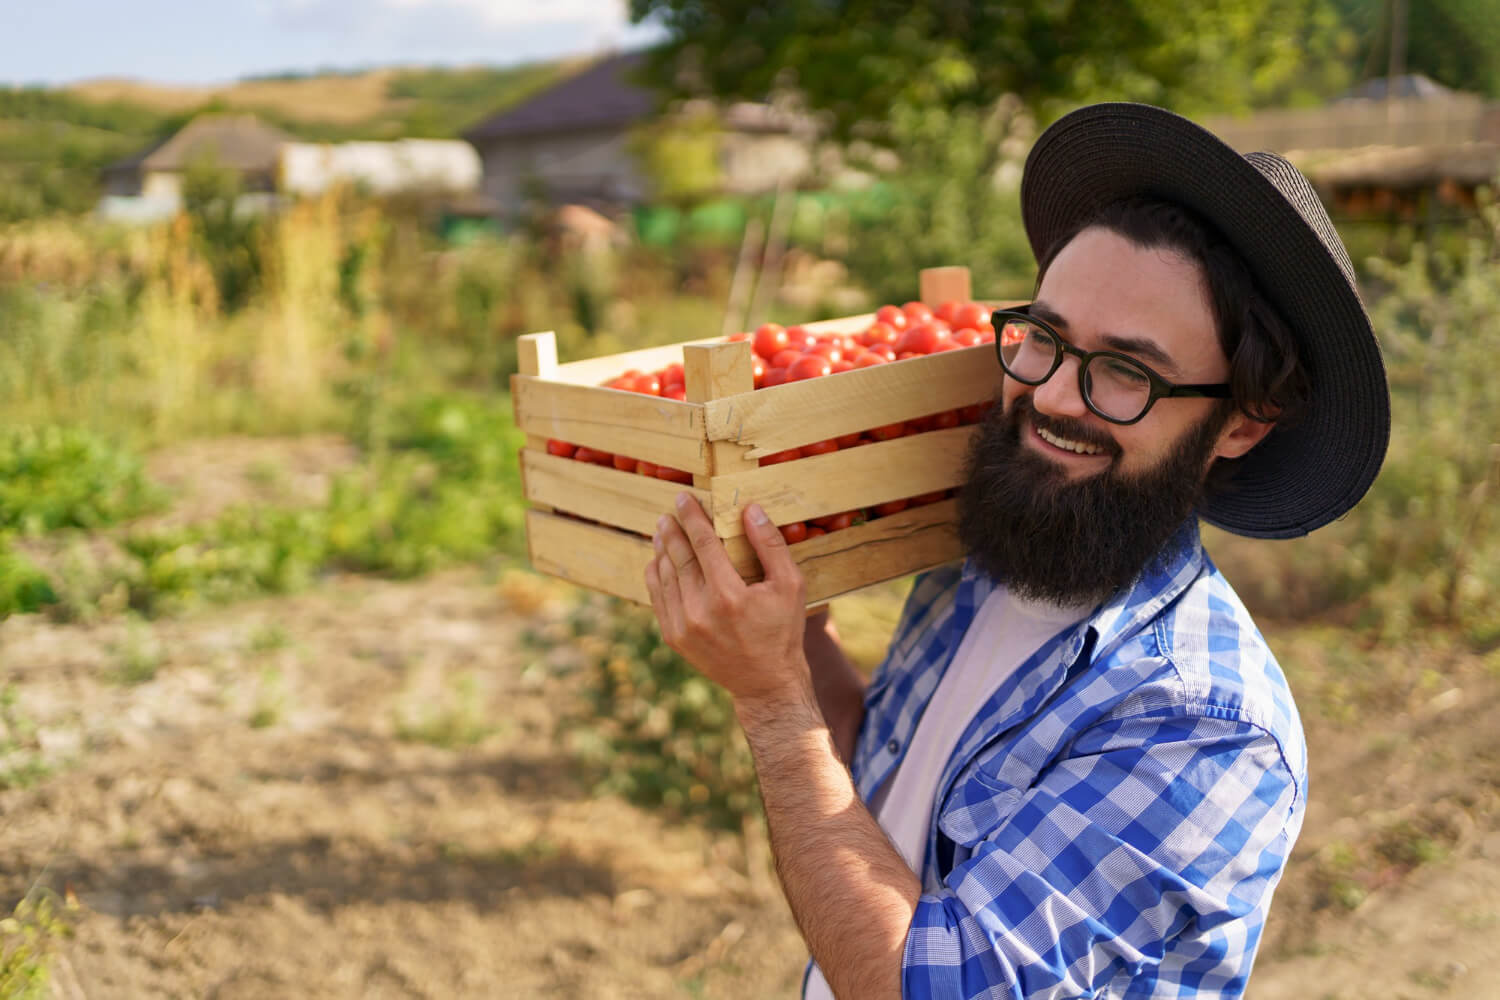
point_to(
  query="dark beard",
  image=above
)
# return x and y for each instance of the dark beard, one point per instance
(1051, 539)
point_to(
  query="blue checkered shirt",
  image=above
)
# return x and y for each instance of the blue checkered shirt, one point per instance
(1116, 816)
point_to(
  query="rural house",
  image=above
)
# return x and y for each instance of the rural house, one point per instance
(572, 142)
(242, 143)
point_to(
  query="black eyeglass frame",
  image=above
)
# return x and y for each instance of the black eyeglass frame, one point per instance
(1160, 387)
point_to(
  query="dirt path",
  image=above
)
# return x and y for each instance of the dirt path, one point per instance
(248, 822)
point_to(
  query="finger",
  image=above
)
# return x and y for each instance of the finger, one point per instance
(677, 546)
(707, 546)
(653, 588)
(671, 598)
(775, 558)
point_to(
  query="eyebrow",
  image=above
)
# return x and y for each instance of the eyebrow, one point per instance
(1116, 342)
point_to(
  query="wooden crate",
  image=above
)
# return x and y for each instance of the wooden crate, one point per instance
(592, 525)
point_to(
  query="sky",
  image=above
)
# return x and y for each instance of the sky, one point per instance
(216, 41)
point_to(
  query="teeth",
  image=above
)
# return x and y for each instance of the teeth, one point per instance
(1076, 447)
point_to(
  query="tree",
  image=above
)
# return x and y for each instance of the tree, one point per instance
(1455, 42)
(857, 60)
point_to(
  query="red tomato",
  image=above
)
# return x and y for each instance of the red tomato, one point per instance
(593, 455)
(644, 468)
(828, 349)
(647, 384)
(847, 440)
(774, 376)
(880, 333)
(948, 310)
(893, 316)
(798, 337)
(986, 334)
(927, 498)
(907, 354)
(678, 392)
(920, 338)
(917, 312)
(970, 414)
(842, 366)
(624, 464)
(821, 447)
(945, 344)
(966, 337)
(887, 432)
(920, 424)
(969, 314)
(784, 358)
(674, 475)
(883, 350)
(889, 507)
(815, 531)
(794, 532)
(674, 374)
(790, 455)
(945, 420)
(809, 366)
(738, 336)
(561, 449)
(836, 522)
(757, 368)
(868, 357)
(769, 339)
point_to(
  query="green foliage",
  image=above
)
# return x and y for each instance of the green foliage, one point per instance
(679, 155)
(859, 62)
(28, 940)
(944, 204)
(23, 587)
(656, 731)
(21, 763)
(61, 477)
(228, 239)
(1456, 42)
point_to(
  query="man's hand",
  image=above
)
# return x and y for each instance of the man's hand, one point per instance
(744, 637)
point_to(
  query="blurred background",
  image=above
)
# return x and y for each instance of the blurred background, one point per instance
(282, 710)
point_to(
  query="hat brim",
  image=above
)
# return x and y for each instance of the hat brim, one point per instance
(1313, 470)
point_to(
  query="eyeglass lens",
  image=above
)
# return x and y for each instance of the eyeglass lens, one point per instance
(1116, 388)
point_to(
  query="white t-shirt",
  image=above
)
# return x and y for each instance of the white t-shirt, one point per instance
(1005, 632)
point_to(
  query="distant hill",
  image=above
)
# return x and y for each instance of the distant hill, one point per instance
(54, 141)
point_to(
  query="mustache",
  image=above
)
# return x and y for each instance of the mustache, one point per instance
(1065, 427)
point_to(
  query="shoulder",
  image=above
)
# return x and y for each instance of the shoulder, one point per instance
(1202, 656)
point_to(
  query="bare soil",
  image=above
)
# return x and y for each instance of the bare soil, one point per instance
(366, 791)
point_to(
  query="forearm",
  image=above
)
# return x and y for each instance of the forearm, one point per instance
(850, 891)
(839, 686)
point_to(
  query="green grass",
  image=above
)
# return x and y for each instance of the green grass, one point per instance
(29, 938)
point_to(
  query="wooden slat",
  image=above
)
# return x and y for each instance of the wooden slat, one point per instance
(943, 284)
(798, 413)
(614, 561)
(714, 371)
(596, 371)
(624, 499)
(664, 431)
(845, 480)
(536, 354)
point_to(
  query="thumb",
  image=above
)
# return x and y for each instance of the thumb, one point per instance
(775, 558)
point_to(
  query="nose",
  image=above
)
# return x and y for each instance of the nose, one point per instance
(1059, 396)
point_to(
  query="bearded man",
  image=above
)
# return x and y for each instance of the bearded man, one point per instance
(1079, 771)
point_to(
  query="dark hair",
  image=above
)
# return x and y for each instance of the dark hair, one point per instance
(1267, 379)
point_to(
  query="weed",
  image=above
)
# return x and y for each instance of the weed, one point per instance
(269, 637)
(141, 655)
(270, 700)
(21, 763)
(460, 722)
(28, 941)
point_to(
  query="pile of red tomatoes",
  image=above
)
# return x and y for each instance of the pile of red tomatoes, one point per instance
(791, 354)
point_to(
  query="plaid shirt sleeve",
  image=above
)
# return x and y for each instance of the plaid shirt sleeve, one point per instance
(1139, 865)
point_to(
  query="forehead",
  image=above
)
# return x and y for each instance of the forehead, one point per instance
(1103, 285)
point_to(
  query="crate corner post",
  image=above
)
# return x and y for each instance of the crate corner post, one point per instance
(943, 284)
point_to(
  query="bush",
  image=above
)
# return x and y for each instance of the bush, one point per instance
(57, 477)
(656, 731)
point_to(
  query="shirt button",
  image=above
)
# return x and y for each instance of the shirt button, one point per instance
(893, 746)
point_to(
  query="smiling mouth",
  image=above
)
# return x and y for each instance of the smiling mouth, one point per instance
(1067, 444)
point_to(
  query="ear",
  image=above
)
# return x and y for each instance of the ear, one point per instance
(1241, 434)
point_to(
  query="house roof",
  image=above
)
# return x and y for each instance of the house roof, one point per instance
(602, 96)
(241, 142)
(1409, 86)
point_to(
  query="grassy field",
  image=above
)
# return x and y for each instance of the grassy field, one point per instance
(272, 669)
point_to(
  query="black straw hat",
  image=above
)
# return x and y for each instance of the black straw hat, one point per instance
(1305, 474)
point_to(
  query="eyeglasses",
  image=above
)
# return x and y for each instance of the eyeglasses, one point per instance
(1114, 386)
